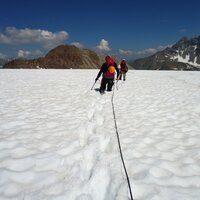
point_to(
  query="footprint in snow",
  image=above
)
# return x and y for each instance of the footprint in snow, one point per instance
(90, 113)
(89, 158)
(83, 136)
(99, 119)
(84, 197)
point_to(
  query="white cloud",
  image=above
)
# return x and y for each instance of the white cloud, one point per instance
(160, 48)
(29, 54)
(103, 45)
(77, 44)
(150, 51)
(125, 52)
(2, 56)
(147, 51)
(26, 36)
(144, 52)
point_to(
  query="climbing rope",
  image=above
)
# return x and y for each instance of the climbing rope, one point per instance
(120, 149)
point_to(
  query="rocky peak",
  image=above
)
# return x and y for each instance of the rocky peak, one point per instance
(61, 57)
(187, 51)
(184, 55)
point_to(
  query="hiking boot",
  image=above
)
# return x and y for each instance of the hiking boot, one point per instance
(101, 91)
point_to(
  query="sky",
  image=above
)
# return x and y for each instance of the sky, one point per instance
(128, 28)
(60, 143)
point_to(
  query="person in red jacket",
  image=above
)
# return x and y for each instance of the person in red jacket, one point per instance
(123, 70)
(108, 70)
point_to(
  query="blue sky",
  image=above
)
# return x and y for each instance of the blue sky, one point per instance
(127, 28)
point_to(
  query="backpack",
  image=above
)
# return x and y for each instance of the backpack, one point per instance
(123, 67)
(111, 69)
(110, 73)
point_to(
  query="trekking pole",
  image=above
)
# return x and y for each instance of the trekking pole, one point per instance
(93, 85)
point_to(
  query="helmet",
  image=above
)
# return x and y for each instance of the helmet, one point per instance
(123, 61)
(107, 58)
(110, 61)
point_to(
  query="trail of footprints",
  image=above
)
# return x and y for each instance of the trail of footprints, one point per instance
(92, 138)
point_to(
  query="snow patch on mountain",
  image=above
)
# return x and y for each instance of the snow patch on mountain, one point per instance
(186, 60)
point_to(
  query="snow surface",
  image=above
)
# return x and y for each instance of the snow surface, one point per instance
(58, 141)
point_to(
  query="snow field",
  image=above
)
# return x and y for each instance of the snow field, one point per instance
(57, 137)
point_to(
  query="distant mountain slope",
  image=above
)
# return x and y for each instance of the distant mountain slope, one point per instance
(61, 57)
(184, 55)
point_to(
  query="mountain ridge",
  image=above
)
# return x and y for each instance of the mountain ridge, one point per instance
(61, 57)
(184, 55)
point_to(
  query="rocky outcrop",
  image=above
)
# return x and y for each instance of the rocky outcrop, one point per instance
(61, 57)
